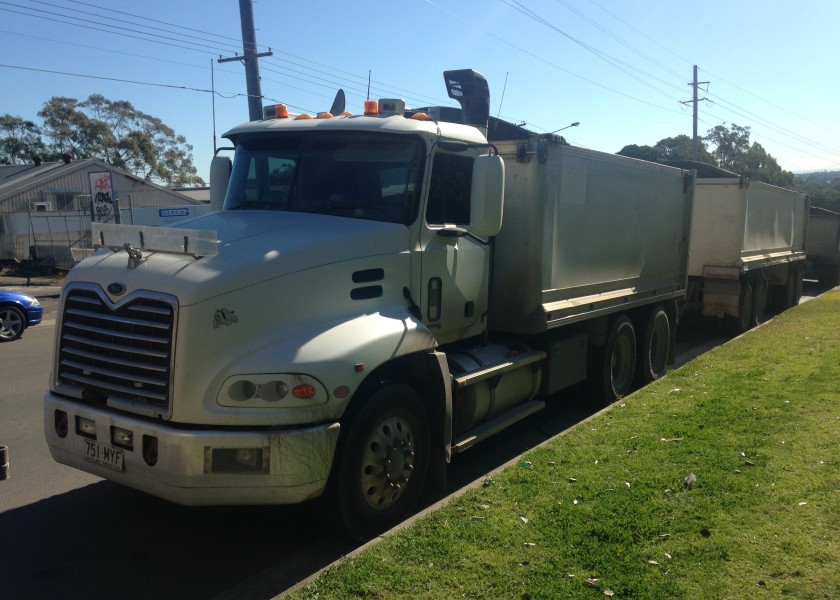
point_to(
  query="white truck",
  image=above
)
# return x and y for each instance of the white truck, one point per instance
(360, 310)
(823, 246)
(747, 248)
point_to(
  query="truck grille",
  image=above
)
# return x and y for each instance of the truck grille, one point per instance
(118, 353)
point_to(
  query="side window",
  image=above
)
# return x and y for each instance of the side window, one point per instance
(449, 189)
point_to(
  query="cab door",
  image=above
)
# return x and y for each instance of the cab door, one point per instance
(455, 269)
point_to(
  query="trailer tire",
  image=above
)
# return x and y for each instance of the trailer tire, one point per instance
(654, 347)
(744, 321)
(830, 276)
(785, 295)
(759, 300)
(798, 281)
(613, 365)
(382, 462)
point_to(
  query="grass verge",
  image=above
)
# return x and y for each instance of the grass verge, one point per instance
(721, 480)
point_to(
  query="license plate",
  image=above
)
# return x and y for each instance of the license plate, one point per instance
(104, 455)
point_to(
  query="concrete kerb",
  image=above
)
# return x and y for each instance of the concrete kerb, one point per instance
(39, 287)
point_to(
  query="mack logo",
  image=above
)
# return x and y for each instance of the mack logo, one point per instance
(116, 289)
(224, 316)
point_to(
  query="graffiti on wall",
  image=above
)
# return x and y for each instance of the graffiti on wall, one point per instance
(102, 195)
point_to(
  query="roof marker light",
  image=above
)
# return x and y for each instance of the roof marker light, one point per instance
(303, 117)
(324, 115)
(421, 116)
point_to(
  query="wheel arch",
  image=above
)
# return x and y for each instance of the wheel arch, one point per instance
(427, 373)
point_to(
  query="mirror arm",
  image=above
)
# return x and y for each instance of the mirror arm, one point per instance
(461, 232)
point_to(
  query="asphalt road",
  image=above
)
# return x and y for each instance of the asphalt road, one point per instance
(66, 534)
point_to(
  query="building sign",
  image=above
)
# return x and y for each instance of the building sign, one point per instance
(102, 195)
(173, 212)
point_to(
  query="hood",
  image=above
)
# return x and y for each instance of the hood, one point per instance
(253, 247)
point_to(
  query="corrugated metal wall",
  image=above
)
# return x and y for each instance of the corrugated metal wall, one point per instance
(125, 189)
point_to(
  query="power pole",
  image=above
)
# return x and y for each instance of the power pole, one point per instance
(695, 141)
(249, 59)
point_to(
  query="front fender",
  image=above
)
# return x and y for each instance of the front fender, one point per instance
(339, 355)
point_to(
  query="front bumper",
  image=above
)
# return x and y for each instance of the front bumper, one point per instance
(297, 462)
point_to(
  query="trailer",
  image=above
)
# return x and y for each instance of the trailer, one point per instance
(747, 253)
(379, 293)
(823, 246)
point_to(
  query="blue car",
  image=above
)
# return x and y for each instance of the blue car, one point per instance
(17, 312)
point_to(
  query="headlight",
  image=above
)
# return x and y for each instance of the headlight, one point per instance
(272, 391)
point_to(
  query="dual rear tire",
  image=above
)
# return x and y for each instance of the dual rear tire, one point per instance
(628, 360)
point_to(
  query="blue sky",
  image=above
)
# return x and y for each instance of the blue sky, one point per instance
(619, 67)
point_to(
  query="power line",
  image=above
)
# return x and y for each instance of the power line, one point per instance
(120, 80)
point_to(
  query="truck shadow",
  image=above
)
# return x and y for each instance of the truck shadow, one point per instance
(107, 541)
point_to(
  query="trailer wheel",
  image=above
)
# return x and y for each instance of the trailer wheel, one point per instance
(655, 347)
(798, 280)
(744, 321)
(613, 365)
(12, 323)
(785, 295)
(382, 462)
(759, 300)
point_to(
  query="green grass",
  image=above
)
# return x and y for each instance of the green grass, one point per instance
(604, 510)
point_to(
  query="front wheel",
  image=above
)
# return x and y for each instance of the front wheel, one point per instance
(383, 461)
(12, 323)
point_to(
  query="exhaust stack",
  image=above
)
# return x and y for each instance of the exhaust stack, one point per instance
(470, 89)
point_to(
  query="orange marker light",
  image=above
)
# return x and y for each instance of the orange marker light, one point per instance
(324, 115)
(281, 111)
(304, 391)
(371, 108)
(303, 117)
(420, 116)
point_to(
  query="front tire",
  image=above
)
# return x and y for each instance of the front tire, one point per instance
(383, 462)
(12, 323)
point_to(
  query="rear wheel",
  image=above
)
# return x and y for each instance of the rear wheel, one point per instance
(614, 364)
(654, 347)
(785, 295)
(759, 301)
(744, 321)
(12, 323)
(382, 462)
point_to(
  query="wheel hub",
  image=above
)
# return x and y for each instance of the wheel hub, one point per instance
(388, 463)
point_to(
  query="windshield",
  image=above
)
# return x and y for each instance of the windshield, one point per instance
(360, 175)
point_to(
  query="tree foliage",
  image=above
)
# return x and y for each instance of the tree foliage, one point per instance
(725, 147)
(21, 140)
(112, 131)
(823, 189)
(672, 148)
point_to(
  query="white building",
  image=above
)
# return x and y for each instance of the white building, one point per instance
(46, 207)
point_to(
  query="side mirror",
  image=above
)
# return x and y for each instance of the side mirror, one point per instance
(487, 199)
(220, 168)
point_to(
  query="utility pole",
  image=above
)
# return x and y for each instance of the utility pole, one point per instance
(249, 59)
(695, 141)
